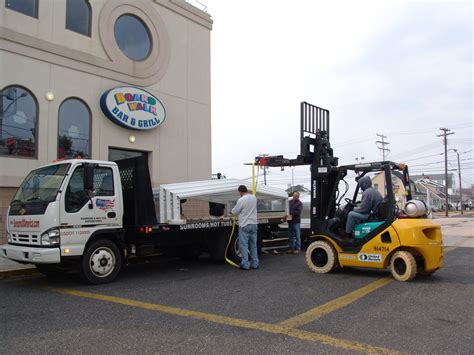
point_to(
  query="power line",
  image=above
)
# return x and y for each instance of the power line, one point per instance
(349, 142)
(437, 162)
(427, 156)
(417, 150)
(427, 130)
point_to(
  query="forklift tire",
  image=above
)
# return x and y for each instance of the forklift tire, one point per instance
(321, 257)
(101, 262)
(403, 266)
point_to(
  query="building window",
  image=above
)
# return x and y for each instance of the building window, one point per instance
(78, 16)
(18, 122)
(74, 129)
(26, 7)
(132, 37)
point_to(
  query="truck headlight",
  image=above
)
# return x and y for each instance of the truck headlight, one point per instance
(50, 238)
(9, 238)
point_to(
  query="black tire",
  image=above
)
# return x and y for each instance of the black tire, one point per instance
(321, 257)
(101, 262)
(403, 266)
(50, 270)
(233, 253)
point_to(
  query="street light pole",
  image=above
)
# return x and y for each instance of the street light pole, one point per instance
(459, 175)
(445, 142)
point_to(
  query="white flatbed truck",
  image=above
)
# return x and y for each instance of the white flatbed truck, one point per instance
(95, 215)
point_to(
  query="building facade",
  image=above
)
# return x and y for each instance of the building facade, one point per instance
(59, 58)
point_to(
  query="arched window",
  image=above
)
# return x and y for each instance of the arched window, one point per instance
(78, 16)
(26, 7)
(18, 122)
(74, 129)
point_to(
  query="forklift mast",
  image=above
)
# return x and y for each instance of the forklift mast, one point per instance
(316, 151)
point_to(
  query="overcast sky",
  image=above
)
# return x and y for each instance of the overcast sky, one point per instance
(398, 68)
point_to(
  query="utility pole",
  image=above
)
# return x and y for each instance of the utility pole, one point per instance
(383, 144)
(445, 134)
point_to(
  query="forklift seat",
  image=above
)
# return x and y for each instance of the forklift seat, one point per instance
(332, 223)
(382, 212)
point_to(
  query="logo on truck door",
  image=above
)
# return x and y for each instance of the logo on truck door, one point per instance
(105, 205)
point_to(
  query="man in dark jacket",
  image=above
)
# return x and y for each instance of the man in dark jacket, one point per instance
(369, 204)
(294, 224)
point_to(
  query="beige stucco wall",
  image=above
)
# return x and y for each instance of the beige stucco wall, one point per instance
(72, 65)
(41, 55)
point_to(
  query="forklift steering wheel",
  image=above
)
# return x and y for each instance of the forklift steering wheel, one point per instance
(349, 201)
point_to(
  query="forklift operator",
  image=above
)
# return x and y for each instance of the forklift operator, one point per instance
(370, 203)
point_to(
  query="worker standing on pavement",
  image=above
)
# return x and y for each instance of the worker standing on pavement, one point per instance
(246, 208)
(294, 224)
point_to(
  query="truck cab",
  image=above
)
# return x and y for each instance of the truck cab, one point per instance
(59, 208)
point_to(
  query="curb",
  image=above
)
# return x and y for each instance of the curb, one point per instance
(18, 272)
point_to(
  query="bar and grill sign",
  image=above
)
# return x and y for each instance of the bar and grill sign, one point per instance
(132, 108)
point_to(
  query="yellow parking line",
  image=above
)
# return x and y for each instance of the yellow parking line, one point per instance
(341, 302)
(334, 305)
(264, 327)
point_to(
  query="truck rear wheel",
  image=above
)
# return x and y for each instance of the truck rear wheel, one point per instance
(321, 257)
(234, 249)
(101, 262)
(403, 266)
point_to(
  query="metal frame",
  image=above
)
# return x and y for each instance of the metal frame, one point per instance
(314, 119)
(220, 191)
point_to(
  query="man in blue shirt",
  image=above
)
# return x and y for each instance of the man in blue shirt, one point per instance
(294, 224)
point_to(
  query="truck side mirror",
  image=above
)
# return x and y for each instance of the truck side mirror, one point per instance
(88, 177)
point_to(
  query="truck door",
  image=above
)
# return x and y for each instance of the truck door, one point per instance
(84, 212)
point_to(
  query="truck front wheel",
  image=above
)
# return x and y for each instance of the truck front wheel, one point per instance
(101, 262)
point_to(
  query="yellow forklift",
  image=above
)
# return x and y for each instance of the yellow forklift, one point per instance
(404, 240)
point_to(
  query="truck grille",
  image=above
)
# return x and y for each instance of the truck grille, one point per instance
(25, 238)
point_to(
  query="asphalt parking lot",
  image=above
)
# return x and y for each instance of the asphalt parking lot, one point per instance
(191, 307)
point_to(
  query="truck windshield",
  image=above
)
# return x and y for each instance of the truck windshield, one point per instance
(38, 189)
